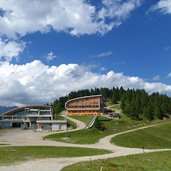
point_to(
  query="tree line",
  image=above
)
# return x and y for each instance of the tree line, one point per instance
(136, 104)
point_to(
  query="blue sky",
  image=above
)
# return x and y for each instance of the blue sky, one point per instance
(45, 46)
(140, 46)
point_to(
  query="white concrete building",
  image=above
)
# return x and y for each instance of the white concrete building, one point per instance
(32, 117)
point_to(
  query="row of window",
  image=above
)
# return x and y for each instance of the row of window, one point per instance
(92, 106)
(83, 112)
(84, 103)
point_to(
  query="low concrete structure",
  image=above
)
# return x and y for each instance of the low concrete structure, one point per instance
(32, 117)
(54, 125)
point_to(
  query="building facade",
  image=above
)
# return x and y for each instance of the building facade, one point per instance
(32, 117)
(88, 105)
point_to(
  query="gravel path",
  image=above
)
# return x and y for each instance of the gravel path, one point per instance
(18, 137)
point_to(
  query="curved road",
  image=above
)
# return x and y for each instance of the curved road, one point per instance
(20, 137)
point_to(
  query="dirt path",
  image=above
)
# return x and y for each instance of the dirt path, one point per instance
(56, 164)
(18, 137)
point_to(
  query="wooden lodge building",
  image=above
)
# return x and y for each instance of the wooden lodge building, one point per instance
(87, 105)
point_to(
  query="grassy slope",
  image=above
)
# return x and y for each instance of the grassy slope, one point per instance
(9, 155)
(79, 137)
(154, 137)
(117, 108)
(71, 123)
(91, 136)
(59, 117)
(159, 161)
(85, 119)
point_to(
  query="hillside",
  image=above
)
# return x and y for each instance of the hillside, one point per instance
(135, 104)
(158, 136)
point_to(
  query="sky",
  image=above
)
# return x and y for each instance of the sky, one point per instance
(50, 48)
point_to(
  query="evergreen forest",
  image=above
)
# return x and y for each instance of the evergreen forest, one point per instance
(136, 104)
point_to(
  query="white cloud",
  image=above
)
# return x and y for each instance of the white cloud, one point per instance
(76, 17)
(10, 50)
(103, 69)
(156, 78)
(163, 6)
(50, 56)
(169, 75)
(103, 54)
(117, 10)
(37, 83)
(23, 16)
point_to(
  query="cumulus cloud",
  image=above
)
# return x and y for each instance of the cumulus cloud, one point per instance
(117, 11)
(10, 49)
(163, 6)
(77, 17)
(37, 83)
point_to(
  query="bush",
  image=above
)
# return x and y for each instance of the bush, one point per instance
(99, 125)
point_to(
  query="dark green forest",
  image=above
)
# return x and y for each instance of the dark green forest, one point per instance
(136, 104)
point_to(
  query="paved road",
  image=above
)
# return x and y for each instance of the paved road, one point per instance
(20, 137)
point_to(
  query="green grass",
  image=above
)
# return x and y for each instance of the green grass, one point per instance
(158, 161)
(155, 137)
(108, 103)
(10, 155)
(4, 144)
(90, 136)
(86, 136)
(85, 119)
(117, 108)
(59, 117)
(71, 124)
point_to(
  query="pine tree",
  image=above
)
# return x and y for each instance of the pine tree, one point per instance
(148, 112)
(157, 112)
(136, 104)
(115, 97)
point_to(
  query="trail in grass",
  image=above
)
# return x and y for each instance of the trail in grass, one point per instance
(85, 119)
(57, 164)
(139, 162)
(11, 155)
(155, 137)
